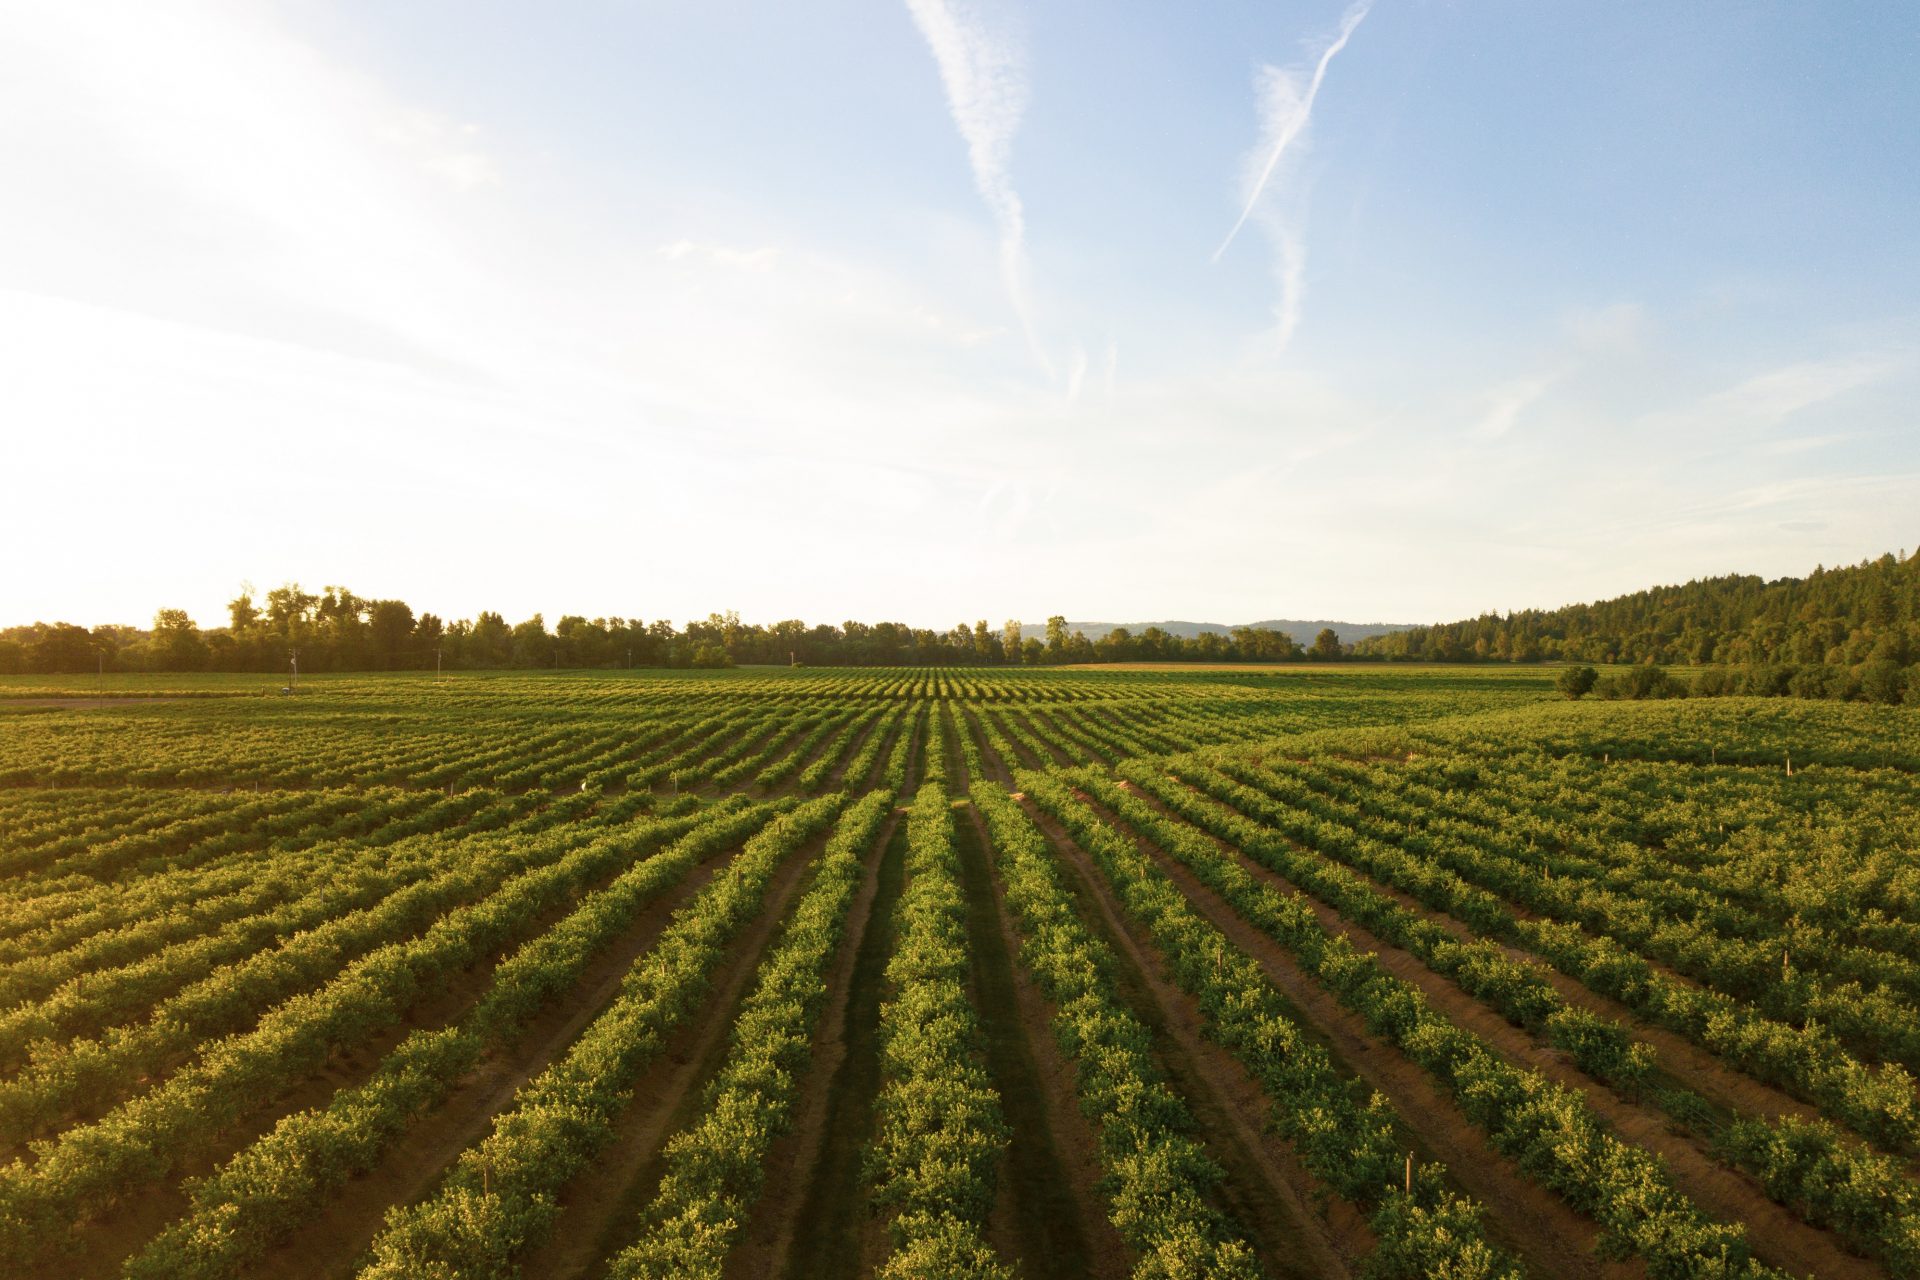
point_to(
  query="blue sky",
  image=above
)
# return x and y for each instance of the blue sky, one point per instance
(938, 311)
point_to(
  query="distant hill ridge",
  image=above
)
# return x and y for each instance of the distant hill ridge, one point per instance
(1301, 630)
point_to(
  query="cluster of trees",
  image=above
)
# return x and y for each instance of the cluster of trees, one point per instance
(337, 630)
(1862, 619)
(1876, 680)
(1837, 617)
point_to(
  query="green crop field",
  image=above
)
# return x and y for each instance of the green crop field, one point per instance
(1307, 971)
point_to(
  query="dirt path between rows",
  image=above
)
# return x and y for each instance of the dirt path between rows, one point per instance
(1720, 1082)
(127, 1228)
(835, 744)
(1055, 728)
(813, 1221)
(876, 773)
(837, 776)
(1778, 1237)
(1723, 1083)
(997, 770)
(1526, 1219)
(1296, 1229)
(1023, 756)
(1061, 757)
(333, 1242)
(959, 777)
(1047, 1212)
(600, 1210)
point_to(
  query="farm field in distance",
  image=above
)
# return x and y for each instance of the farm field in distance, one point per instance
(1345, 971)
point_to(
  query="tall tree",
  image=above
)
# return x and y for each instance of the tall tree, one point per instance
(390, 623)
(242, 613)
(1057, 637)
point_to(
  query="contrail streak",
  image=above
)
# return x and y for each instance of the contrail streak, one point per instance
(983, 71)
(1290, 128)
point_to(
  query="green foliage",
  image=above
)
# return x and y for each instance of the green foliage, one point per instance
(1159, 1179)
(1346, 1142)
(1639, 683)
(1840, 616)
(713, 1171)
(1576, 682)
(499, 1198)
(153, 1132)
(1547, 1128)
(206, 900)
(940, 1131)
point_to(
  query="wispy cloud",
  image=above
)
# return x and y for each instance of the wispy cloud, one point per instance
(1504, 405)
(983, 69)
(1780, 393)
(1285, 99)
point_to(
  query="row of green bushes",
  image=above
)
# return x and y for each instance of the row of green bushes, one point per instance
(1865, 997)
(147, 1137)
(1159, 1180)
(1422, 1228)
(1545, 1128)
(500, 1198)
(940, 1131)
(85, 1073)
(86, 943)
(715, 1167)
(278, 1182)
(1857, 1192)
(1477, 875)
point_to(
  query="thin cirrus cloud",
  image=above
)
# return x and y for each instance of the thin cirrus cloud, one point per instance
(1285, 101)
(1505, 405)
(983, 70)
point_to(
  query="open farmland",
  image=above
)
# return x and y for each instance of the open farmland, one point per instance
(1311, 972)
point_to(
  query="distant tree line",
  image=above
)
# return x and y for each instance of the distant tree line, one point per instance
(1869, 612)
(1875, 680)
(337, 630)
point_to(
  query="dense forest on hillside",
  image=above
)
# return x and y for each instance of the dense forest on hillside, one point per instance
(1840, 617)
(337, 630)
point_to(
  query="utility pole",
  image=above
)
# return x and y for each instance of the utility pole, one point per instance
(436, 665)
(293, 656)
